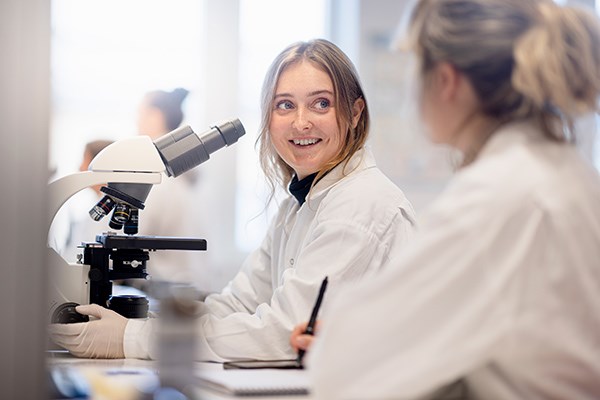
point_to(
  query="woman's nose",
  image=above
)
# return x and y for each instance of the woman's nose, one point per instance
(301, 120)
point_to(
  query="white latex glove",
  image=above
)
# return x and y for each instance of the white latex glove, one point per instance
(99, 338)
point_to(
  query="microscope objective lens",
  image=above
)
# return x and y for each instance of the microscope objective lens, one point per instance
(119, 216)
(102, 208)
(131, 226)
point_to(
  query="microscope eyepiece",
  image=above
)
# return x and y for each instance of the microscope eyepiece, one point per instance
(182, 149)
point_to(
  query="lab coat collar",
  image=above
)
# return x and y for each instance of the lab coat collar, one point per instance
(361, 160)
(522, 131)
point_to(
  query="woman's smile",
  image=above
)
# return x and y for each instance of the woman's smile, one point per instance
(307, 142)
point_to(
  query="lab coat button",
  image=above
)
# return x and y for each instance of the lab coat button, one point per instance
(291, 261)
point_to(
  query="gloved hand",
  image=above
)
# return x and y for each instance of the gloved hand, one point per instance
(100, 338)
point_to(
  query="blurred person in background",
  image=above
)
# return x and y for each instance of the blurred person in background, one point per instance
(170, 209)
(82, 228)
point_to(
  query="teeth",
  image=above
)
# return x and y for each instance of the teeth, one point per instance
(305, 142)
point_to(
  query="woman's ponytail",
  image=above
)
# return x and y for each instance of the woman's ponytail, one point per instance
(526, 59)
(557, 61)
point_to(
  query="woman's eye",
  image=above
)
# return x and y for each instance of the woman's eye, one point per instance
(322, 104)
(284, 105)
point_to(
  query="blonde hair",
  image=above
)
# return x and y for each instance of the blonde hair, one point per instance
(347, 89)
(524, 58)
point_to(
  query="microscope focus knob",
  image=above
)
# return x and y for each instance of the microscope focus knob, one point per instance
(66, 314)
(95, 275)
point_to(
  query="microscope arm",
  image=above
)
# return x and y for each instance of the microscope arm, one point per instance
(132, 160)
(62, 189)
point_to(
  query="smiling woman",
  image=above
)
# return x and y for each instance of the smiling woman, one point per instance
(342, 218)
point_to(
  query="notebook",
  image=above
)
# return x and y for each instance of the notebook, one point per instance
(252, 382)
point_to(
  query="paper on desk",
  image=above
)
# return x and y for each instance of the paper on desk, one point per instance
(263, 382)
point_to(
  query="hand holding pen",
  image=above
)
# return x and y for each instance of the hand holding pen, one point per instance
(301, 337)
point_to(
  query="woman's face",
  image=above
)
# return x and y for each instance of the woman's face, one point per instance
(448, 105)
(304, 128)
(151, 121)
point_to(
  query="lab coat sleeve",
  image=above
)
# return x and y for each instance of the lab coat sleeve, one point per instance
(440, 310)
(264, 334)
(137, 338)
(241, 297)
(250, 287)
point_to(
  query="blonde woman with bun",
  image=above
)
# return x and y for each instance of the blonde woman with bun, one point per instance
(500, 289)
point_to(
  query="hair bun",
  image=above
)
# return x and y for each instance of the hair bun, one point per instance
(557, 61)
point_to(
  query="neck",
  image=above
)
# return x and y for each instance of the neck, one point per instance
(472, 134)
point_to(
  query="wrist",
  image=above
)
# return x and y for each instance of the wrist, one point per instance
(136, 339)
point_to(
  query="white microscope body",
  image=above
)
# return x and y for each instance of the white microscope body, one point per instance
(131, 160)
(131, 166)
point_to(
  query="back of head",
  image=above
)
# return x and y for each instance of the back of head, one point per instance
(347, 87)
(91, 150)
(169, 104)
(524, 58)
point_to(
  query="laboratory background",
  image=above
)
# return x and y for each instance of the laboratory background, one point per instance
(103, 62)
(74, 71)
(220, 51)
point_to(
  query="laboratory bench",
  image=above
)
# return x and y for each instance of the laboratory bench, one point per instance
(126, 378)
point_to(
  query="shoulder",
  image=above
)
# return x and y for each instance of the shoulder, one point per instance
(519, 170)
(365, 195)
(369, 184)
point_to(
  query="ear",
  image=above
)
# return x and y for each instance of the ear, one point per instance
(357, 109)
(448, 80)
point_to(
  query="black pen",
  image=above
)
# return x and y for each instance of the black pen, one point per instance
(310, 328)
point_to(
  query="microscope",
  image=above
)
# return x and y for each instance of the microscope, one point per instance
(129, 168)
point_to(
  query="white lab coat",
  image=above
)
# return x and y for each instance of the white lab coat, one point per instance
(345, 230)
(500, 287)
